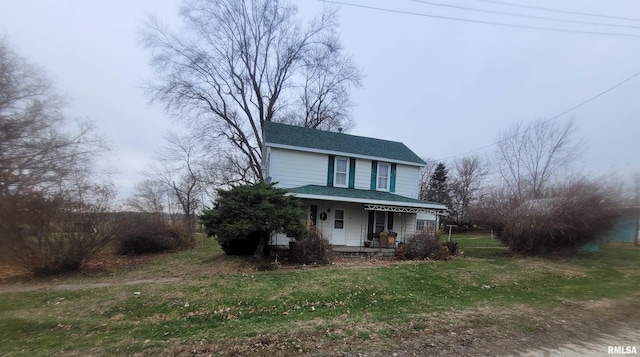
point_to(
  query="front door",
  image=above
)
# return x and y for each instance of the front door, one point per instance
(338, 227)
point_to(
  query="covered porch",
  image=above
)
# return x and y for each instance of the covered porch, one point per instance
(363, 221)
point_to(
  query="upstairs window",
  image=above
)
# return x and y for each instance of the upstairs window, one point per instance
(341, 172)
(384, 173)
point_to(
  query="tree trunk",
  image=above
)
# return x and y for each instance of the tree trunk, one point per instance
(260, 248)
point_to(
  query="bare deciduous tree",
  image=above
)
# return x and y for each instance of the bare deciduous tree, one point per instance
(237, 64)
(150, 196)
(466, 179)
(35, 151)
(529, 157)
(178, 170)
(425, 176)
(53, 216)
(325, 100)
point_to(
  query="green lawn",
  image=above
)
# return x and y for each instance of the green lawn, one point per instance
(478, 245)
(212, 303)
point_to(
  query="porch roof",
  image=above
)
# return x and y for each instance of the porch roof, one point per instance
(381, 200)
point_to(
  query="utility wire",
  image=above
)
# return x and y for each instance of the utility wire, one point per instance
(550, 119)
(560, 11)
(523, 15)
(478, 21)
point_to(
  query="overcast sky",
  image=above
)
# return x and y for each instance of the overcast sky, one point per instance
(444, 87)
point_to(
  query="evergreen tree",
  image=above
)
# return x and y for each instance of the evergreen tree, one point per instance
(438, 189)
(245, 217)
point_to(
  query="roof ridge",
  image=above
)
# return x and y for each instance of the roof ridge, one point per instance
(334, 132)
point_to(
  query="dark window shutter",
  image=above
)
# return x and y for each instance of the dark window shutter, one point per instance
(392, 181)
(352, 172)
(332, 160)
(370, 225)
(389, 220)
(374, 175)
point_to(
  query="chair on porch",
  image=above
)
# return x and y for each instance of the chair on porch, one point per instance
(387, 239)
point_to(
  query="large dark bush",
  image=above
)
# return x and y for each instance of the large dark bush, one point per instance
(241, 246)
(311, 248)
(570, 216)
(143, 236)
(424, 245)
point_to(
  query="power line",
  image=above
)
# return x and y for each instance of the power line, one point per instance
(550, 119)
(523, 15)
(560, 11)
(478, 21)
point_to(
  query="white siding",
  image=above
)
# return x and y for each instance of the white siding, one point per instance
(354, 214)
(296, 168)
(407, 178)
(407, 181)
(280, 239)
(355, 222)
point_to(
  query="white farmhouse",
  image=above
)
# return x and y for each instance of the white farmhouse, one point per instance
(354, 188)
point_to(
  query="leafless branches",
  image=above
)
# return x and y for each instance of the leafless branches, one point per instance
(576, 212)
(237, 64)
(530, 157)
(53, 216)
(177, 176)
(466, 179)
(36, 152)
(425, 176)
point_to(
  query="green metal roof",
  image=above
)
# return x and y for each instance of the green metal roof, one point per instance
(364, 196)
(289, 135)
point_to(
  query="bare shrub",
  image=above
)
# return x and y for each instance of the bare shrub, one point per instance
(50, 235)
(141, 234)
(312, 248)
(424, 245)
(572, 215)
(54, 207)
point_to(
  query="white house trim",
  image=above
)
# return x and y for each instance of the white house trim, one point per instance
(386, 208)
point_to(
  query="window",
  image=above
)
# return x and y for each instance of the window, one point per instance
(338, 219)
(380, 222)
(423, 224)
(341, 172)
(384, 170)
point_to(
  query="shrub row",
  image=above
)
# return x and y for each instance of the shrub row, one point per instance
(426, 245)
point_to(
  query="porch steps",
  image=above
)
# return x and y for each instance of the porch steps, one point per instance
(344, 251)
(363, 251)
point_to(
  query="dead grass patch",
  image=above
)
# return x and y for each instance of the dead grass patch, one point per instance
(487, 330)
(541, 266)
